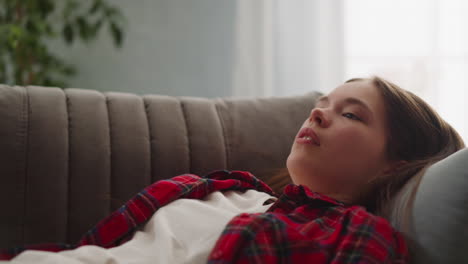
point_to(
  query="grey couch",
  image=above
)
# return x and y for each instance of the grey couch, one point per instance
(70, 157)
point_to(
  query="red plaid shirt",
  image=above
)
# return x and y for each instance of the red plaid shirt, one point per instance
(301, 226)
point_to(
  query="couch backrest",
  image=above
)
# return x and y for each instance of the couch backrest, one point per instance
(70, 157)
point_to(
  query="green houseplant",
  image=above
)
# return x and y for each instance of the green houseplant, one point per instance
(27, 26)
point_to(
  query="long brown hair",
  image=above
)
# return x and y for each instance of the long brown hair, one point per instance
(416, 134)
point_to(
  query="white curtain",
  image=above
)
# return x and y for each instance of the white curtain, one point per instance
(286, 47)
(422, 45)
(254, 59)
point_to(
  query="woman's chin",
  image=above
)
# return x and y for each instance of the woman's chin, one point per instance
(299, 167)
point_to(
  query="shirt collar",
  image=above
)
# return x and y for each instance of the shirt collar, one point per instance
(303, 195)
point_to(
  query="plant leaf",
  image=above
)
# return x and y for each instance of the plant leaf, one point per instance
(26, 26)
(84, 28)
(68, 33)
(117, 34)
(95, 7)
(45, 7)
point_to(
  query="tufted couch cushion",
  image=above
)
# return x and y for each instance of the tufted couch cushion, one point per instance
(70, 157)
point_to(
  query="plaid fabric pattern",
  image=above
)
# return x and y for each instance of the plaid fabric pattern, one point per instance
(301, 226)
(307, 227)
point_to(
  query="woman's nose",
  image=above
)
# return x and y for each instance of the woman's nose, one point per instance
(317, 115)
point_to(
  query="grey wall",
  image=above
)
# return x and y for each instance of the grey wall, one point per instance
(172, 47)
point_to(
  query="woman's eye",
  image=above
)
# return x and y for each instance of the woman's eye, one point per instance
(351, 116)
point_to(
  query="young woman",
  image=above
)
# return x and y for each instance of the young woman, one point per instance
(357, 148)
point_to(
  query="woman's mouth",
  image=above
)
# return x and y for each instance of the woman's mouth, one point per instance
(307, 136)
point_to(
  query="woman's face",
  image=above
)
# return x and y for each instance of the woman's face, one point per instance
(348, 148)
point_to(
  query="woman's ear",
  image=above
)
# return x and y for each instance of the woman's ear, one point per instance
(394, 166)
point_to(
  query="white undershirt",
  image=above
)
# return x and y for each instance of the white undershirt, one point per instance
(183, 231)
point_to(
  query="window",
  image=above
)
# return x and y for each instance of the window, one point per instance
(422, 45)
